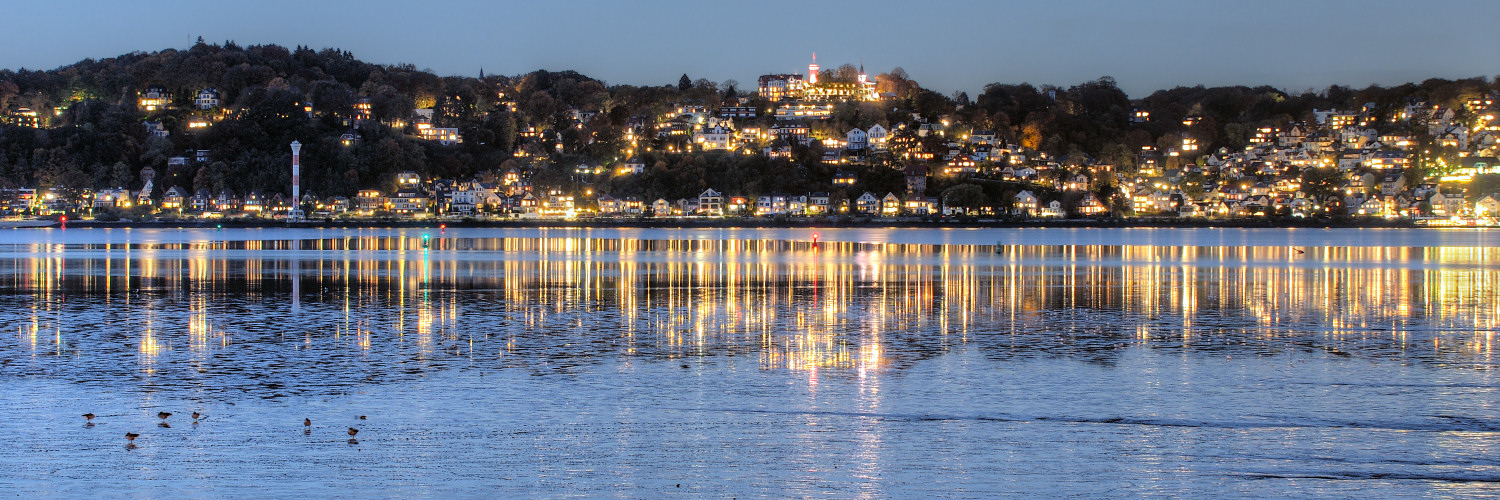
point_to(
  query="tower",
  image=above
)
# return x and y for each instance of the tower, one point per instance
(296, 213)
(863, 79)
(812, 70)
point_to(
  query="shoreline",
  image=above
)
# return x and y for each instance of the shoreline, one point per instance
(768, 223)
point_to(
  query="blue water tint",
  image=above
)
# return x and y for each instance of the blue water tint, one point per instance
(558, 364)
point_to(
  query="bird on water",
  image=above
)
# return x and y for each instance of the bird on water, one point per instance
(130, 436)
(88, 416)
(197, 415)
(163, 415)
(353, 431)
(307, 422)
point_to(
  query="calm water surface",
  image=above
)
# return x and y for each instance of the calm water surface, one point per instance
(750, 363)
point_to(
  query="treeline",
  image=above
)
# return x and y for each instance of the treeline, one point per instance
(92, 134)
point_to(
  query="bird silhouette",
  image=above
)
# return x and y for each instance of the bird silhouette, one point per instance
(88, 416)
(197, 415)
(353, 431)
(163, 415)
(361, 417)
(306, 422)
(130, 436)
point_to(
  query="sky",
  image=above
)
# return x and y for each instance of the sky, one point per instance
(948, 46)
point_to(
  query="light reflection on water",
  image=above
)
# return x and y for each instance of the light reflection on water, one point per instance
(884, 335)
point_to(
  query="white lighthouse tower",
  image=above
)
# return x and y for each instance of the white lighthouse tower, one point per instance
(296, 214)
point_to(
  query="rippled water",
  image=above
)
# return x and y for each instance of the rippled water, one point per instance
(750, 363)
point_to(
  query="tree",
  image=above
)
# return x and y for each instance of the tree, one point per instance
(684, 84)
(1320, 184)
(965, 196)
(120, 175)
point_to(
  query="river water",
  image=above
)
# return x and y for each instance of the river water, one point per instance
(750, 363)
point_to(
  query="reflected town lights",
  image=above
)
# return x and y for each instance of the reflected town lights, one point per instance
(834, 309)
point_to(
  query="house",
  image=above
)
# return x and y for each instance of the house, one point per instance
(278, 204)
(338, 204)
(713, 138)
(1476, 165)
(856, 139)
(1392, 184)
(845, 178)
(350, 137)
(463, 201)
(609, 205)
(890, 205)
(916, 179)
(710, 202)
(867, 203)
(201, 201)
(23, 117)
(961, 164)
(1052, 209)
(876, 136)
(984, 137)
(632, 166)
(174, 199)
(156, 129)
(369, 201)
(791, 132)
(1446, 204)
(738, 111)
(154, 99)
(818, 203)
(1488, 206)
(1025, 203)
(634, 206)
(207, 99)
(796, 205)
(144, 196)
(1091, 206)
(557, 204)
(254, 202)
(918, 205)
(685, 206)
(1373, 206)
(444, 136)
(772, 204)
(112, 198)
(661, 207)
(226, 201)
(1076, 183)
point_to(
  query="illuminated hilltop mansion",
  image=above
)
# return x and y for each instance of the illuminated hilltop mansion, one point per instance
(810, 88)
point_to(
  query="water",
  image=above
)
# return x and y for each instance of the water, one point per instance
(750, 363)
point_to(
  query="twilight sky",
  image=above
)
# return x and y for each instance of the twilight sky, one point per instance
(944, 45)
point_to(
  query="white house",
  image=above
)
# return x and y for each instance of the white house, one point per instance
(867, 204)
(1052, 209)
(876, 136)
(711, 202)
(1026, 203)
(207, 99)
(712, 138)
(857, 139)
